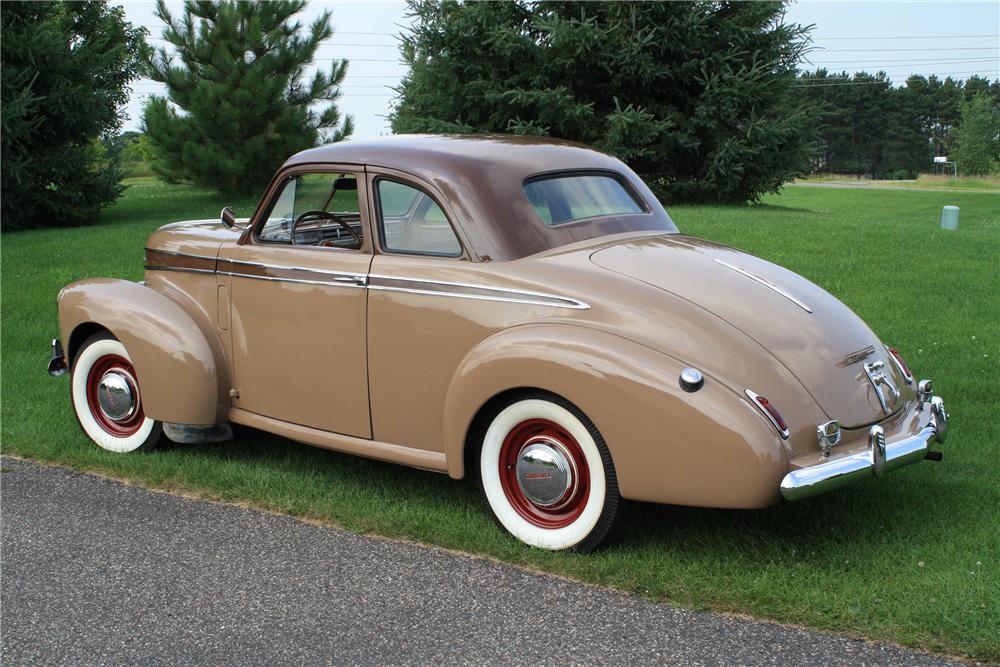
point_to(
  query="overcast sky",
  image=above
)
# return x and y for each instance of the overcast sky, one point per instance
(900, 37)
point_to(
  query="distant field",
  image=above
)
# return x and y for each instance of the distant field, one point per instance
(922, 181)
(911, 558)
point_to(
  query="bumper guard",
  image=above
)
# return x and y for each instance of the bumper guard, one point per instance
(881, 457)
(57, 364)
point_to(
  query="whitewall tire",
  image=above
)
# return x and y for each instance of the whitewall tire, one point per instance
(106, 397)
(547, 474)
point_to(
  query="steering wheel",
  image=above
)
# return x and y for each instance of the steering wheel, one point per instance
(326, 215)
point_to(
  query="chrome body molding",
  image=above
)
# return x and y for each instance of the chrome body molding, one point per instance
(446, 288)
(905, 372)
(755, 401)
(765, 282)
(161, 260)
(880, 457)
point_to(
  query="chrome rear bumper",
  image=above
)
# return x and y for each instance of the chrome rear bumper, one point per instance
(880, 457)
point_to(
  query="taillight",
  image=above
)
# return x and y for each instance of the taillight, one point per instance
(770, 412)
(900, 364)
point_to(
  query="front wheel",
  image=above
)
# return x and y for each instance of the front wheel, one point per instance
(107, 400)
(548, 476)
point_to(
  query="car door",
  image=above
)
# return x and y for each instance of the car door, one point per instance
(299, 303)
(417, 332)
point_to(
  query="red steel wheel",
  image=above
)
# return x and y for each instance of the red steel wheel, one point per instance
(113, 396)
(544, 473)
(547, 474)
(107, 398)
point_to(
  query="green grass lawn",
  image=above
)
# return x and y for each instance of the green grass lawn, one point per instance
(912, 557)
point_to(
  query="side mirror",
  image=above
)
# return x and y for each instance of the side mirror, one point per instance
(228, 217)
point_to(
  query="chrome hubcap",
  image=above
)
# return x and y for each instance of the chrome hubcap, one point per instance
(116, 395)
(546, 473)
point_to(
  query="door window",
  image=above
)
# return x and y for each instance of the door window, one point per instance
(320, 209)
(411, 222)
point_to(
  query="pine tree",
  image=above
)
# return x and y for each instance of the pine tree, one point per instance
(238, 77)
(977, 149)
(66, 70)
(696, 96)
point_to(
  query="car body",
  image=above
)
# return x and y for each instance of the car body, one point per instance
(516, 309)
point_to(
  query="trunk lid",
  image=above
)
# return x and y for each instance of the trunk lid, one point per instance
(819, 339)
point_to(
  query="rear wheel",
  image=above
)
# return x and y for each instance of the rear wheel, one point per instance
(548, 476)
(107, 399)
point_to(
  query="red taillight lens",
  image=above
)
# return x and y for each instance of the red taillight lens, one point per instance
(902, 364)
(773, 411)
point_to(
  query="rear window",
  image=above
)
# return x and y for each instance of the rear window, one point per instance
(562, 199)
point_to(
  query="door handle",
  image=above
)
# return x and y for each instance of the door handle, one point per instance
(353, 280)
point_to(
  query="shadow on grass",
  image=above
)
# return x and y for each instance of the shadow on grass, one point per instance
(866, 514)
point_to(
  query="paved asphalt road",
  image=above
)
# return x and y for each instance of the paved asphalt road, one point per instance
(96, 572)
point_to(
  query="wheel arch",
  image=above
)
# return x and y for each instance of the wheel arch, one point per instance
(181, 372)
(709, 448)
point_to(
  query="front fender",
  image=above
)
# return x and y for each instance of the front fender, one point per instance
(709, 448)
(176, 367)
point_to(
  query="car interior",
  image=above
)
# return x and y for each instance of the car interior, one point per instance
(323, 210)
(316, 209)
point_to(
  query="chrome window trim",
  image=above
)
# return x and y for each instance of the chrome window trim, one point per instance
(766, 283)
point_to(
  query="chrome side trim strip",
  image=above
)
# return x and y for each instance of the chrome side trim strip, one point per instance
(395, 283)
(283, 267)
(478, 297)
(502, 294)
(178, 269)
(347, 282)
(766, 283)
(179, 254)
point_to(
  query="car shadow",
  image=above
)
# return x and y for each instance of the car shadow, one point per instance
(899, 507)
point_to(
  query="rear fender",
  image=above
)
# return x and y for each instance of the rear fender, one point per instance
(182, 377)
(709, 448)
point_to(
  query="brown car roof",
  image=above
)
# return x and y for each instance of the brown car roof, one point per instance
(482, 177)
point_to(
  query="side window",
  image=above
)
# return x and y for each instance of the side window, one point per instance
(411, 222)
(319, 209)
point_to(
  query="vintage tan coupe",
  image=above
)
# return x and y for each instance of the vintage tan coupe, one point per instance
(514, 309)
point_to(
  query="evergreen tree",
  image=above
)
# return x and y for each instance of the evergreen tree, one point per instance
(695, 96)
(66, 67)
(240, 84)
(977, 141)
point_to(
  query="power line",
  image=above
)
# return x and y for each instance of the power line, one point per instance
(904, 60)
(960, 48)
(883, 82)
(914, 37)
(879, 68)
